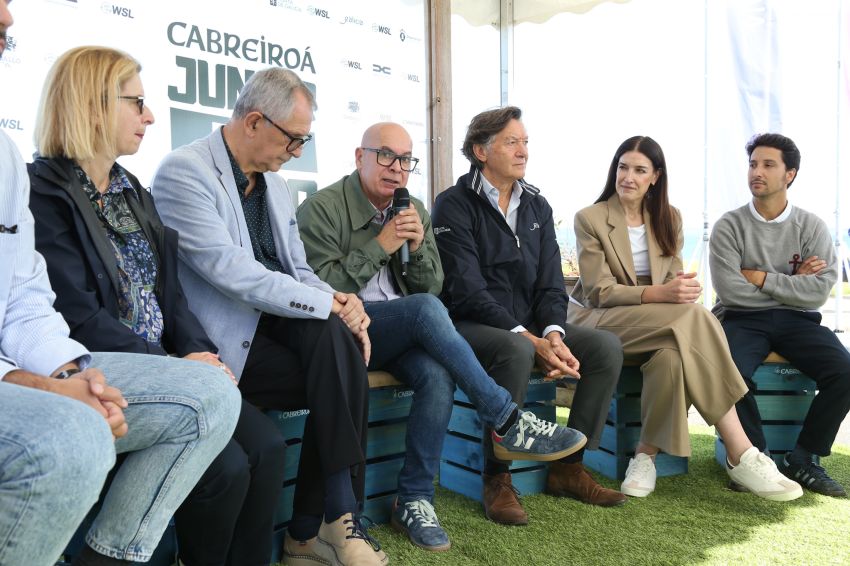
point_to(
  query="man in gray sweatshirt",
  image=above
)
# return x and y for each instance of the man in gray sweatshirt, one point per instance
(773, 265)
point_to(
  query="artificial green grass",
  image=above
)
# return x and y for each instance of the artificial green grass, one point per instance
(689, 519)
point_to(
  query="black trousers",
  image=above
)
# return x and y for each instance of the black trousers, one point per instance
(313, 364)
(508, 358)
(811, 348)
(228, 517)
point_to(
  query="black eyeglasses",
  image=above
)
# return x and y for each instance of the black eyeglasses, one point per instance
(140, 101)
(297, 141)
(386, 158)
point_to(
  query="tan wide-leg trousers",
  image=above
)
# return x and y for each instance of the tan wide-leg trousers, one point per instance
(685, 360)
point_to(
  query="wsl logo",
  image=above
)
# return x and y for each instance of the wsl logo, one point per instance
(385, 30)
(381, 70)
(413, 78)
(11, 124)
(351, 65)
(116, 10)
(319, 12)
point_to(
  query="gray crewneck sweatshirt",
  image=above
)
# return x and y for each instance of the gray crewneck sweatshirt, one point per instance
(740, 241)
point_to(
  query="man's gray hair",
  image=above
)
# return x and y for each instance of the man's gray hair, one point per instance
(271, 91)
(483, 129)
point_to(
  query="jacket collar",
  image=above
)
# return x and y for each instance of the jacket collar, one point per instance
(360, 210)
(619, 236)
(477, 185)
(221, 159)
(60, 172)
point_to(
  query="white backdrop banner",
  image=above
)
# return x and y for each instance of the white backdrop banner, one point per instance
(365, 61)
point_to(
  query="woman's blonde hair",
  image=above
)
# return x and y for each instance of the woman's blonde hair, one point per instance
(77, 114)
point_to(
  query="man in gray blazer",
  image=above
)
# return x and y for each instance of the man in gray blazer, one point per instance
(292, 340)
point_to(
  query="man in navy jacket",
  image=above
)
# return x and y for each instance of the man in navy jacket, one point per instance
(504, 288)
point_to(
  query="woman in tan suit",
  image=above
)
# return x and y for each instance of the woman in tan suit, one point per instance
(632, 284)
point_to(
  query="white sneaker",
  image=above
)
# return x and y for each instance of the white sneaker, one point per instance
(640, 476)
(758, 473)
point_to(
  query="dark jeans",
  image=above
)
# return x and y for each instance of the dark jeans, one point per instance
(811, 348)
(509, 358)
(414, 339)
(313, 364)
(228, 517)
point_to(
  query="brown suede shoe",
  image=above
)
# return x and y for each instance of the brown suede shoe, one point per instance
(501, 504)
(572, 480)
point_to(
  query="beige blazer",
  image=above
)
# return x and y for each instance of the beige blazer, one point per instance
(606, 270)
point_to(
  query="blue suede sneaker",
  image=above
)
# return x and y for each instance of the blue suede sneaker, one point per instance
(531, 438)
(419, 522)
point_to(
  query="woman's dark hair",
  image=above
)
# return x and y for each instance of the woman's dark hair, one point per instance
(655, 201)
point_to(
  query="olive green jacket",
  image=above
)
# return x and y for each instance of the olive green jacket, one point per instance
(339, 238)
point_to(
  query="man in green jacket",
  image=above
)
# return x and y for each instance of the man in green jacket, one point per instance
(351, 238)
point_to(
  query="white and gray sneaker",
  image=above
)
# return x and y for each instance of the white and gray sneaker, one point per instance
(640, 476)
(532, 438)
(758, 473)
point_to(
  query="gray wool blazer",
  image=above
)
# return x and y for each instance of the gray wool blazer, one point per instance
(227, 289)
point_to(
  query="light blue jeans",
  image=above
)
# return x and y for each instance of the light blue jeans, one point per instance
(55, 453)
(181, 414)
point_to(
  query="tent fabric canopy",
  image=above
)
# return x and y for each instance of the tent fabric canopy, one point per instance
(534, 11)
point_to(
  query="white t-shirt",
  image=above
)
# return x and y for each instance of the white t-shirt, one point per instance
(640, 251)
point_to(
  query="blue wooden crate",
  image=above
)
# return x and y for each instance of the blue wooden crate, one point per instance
(621, 433)
(389, 406)
(783, 395)
(463, 453)
(381, 488)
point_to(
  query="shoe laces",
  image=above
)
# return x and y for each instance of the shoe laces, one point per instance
(765, 467)
(359, 528)
(507, 485)
(529, 421)
(423, 512)
(640, 469)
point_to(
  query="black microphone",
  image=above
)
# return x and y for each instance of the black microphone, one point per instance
(401, 201)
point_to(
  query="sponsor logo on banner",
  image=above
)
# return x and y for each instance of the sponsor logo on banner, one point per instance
(413, 78)
(117, 10)
(404, 36)
(10, 43)
(256, 50)
(11, 124)
(384, 30)
(288, 4)
(413, 123)
(381, 70)
(351, 65)
(8, 59)
(352, 20)
(319, 12)
(353, 106)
